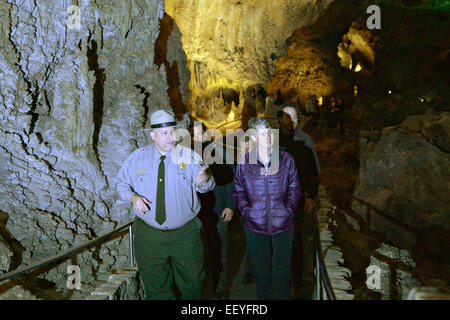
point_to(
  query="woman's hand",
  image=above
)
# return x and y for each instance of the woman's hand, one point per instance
(227, 214)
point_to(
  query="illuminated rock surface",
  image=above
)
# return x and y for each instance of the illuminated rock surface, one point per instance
(230, 45)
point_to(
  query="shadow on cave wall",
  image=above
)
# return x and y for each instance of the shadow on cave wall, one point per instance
(167, 27)
(98, 92)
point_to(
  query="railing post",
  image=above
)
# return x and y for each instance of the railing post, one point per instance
(130, 232)
(318, 286)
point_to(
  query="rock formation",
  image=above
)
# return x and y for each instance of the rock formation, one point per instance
(5, 256)
(17, 293)
(311, 65)
(75, 100)
(403, 177)
(398, 72)
(169, 51)
(72, 108)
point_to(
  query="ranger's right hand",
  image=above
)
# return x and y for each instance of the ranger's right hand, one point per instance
(140, 203)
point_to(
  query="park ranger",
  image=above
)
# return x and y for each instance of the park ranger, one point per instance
(163, 191)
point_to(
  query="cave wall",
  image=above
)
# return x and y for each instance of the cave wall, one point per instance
(5, 256)
(408, 55)
(74, 103)
(312, 65)
(402, 190)
(231, 45)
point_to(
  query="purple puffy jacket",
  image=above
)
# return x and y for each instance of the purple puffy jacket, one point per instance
(267, 202)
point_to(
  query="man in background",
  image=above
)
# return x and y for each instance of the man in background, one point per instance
(294, 142)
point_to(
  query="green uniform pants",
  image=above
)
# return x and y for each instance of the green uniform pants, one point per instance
(222, 230)
(164, 256)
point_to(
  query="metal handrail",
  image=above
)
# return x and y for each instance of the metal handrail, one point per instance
(320, 267)
(59, 256)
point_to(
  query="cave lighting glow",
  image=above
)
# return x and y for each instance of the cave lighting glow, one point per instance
(230, 116)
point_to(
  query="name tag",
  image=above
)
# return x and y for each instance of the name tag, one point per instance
(141, 171)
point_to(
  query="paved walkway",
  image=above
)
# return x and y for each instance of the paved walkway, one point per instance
(239, 291)
(237, 255)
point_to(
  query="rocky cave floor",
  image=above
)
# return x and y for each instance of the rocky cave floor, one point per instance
(339, 153)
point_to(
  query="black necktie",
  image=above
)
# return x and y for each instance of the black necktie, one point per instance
(160, 194)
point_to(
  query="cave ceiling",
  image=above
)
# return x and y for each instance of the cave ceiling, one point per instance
(232, 44)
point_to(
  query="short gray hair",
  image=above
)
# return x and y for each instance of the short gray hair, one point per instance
(258, 121)
(284, 106)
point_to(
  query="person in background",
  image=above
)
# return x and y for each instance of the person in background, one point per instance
(299, 135)
(296, 141)
(267, 193)
(206, 214)
(217, 208)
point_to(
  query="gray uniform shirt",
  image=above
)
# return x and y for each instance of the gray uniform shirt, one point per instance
(139, 174)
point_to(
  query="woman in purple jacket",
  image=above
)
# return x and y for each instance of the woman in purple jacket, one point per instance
(266, 193)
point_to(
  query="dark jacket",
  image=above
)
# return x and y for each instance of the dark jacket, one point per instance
(222, 195)
(267, 202)
(223, 191)
(308, 172)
